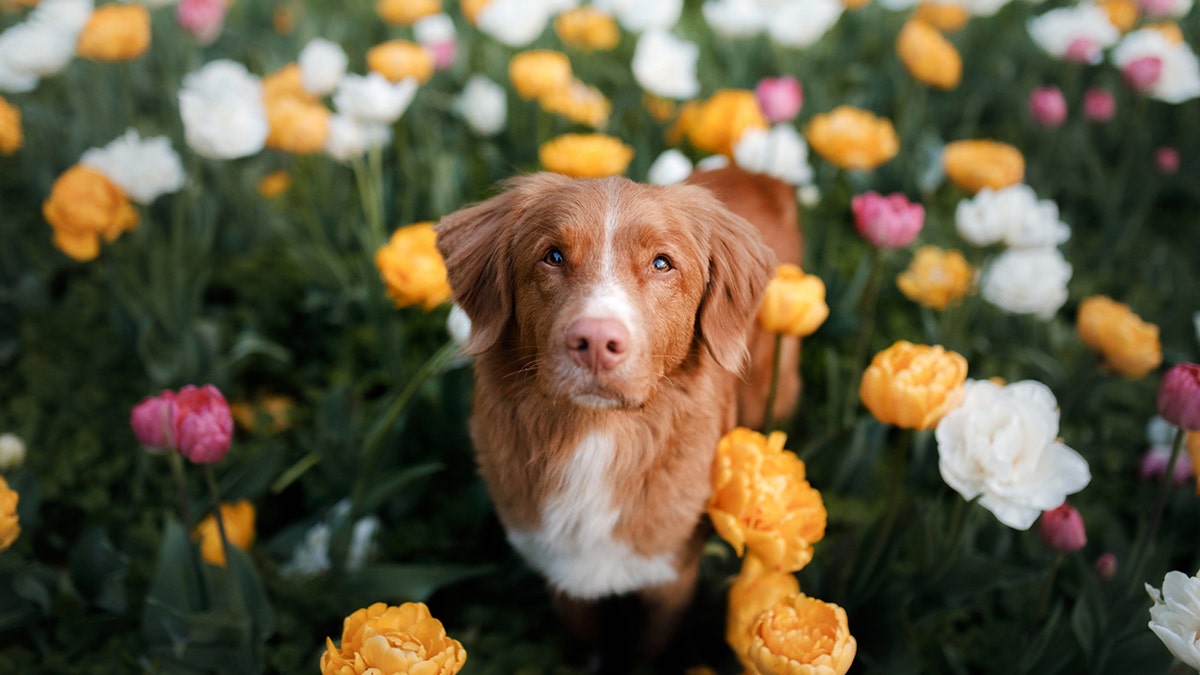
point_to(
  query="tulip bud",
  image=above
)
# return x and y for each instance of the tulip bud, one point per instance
(1048, 107)
(1099, 105)
(1141, 74)
(779, 98)
(1083, 50)
(1179, 396)
(887, 222)
(1106, 566)
(204, 19)
(1154, 465)
(1062, 529)
(12, 452)
(1166, 160)
(203, 424)
(153, 422)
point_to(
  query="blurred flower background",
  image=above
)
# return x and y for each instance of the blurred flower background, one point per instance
(233, 407)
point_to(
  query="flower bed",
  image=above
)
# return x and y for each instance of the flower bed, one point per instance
(219, 286)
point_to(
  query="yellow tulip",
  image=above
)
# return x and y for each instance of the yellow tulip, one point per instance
(83, 207)
(755, 590)
(717, 124)
(936, 277)
(794, 303)
(1130, 346)
(10, 526)
(400, 59)
(412, 268)
(913, 386)
(585, 155)
(587, 28)
(929, 56)
(115, 32)
(975, 164)
(539, 71)
(12, 138)
(238, 519)
(383, 640)
(406, 12)
(802, 635)
(761, 501)
(853, 138)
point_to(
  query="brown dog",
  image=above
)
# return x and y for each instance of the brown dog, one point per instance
(610, 320)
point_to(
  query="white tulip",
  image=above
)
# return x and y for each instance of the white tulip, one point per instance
(143, 168)
(1175, 616)
(222, 110)
(671, 167)
(322, 66)
(665, 65)
(1001, 445)
(1027, 281)
(484, 105)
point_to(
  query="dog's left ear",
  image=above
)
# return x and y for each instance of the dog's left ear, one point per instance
(740, 265)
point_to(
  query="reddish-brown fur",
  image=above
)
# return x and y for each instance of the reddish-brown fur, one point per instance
(677, 393)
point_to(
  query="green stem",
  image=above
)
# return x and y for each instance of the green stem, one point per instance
(773, 388)
(374, 441)
(1144, 543)
(870, 298)
(211, 478)
(185, 511)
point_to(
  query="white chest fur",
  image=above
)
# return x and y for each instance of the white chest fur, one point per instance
(573, 545)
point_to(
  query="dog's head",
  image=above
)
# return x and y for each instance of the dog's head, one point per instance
(603, 287)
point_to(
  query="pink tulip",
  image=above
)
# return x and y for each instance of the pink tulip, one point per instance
(1083, 50)
(1157, 9)
(1154, 465)
(1062, 529)
(1166, 160)
(153, 421)
(1179, 396)
(1099, 105)
(1106, 566)
(780, 98)
(887, 222)
(1048, 107)
(1141, 74)
(444, 53)
(203, 424)
(204, 19)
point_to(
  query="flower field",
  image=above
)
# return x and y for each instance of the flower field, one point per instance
(219, 285)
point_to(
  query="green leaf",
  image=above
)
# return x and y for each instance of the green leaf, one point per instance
(404, 583)
(378, 493)
(98, 570)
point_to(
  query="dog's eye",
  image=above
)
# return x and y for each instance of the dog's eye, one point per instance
(661, 264)
(554, 258)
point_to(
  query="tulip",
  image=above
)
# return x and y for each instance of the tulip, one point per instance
(1179, 396)
(1166, 160)
(203, 424)
(1141, 74)
(1106, 566)
(1062, 529)
(1099, 105)
(887, 222)
(1048, 107)
(153, 422)
(1083, 50)
(913, 386)
(794, 303)
(204, 19)
(1154, 465)
(780, 98)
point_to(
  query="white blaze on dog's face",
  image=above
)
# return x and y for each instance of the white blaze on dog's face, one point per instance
(608, 283)
(602, 287)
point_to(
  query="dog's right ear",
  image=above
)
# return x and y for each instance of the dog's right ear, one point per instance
(476, 244)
